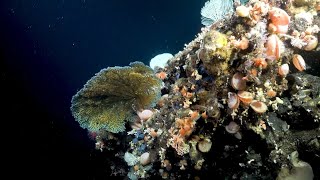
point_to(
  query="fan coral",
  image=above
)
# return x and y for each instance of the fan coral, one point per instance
(111, 97)
(214, 11)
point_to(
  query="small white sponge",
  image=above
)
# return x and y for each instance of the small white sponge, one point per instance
(160, 60)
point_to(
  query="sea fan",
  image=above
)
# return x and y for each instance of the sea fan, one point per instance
(106, 101)
(215, 10)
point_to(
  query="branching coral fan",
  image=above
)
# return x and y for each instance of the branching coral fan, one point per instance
(109, 98)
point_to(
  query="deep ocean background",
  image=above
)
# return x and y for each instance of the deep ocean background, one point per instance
(49, 49)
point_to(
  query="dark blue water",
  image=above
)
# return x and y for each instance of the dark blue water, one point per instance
(49, 49)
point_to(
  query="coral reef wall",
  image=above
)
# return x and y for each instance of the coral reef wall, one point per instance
(240, 101)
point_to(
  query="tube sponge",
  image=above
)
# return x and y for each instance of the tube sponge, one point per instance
(106, 101)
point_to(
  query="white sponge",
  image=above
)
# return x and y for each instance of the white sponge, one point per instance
(160, 60)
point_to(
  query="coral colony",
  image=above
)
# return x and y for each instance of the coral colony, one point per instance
(109, 99)
(236, 102)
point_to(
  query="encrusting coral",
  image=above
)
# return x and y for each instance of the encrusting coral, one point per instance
(111, 97)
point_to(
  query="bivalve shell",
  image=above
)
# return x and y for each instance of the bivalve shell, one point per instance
(232, 127)
(280, 19)
(258, 106)
(145, 114)
(311, 41)
(283, 70)
(274, 47)
(245, 97)
(233, 100)
(237, 82)
(299, 62)
(145, 158)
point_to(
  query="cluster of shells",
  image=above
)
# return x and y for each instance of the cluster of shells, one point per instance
(267, 66)
(237, 69)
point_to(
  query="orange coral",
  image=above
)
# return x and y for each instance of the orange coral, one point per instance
(162, 75)
(260, 62)
(187, 124)
(177, 142)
